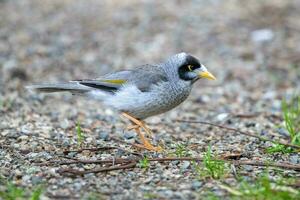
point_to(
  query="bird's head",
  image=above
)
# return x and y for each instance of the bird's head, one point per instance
(189, 68)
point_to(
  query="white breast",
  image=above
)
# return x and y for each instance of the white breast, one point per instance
(159, 99)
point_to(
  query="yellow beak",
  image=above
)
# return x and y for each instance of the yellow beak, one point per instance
(207, 75)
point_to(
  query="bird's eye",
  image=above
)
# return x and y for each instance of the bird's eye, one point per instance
(190, 67)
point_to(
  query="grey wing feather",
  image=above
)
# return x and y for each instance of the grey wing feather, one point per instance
(143, 77)
(59, 87)
(101, 85)
(148, 75)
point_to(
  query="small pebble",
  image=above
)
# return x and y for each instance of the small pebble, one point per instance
(262, 35)
(282, 131)
(295, 159)
(65, 124)
(129, 135)
(103, 135)
(196, 185)
(222, 116)
(248, 168)
(185, 165)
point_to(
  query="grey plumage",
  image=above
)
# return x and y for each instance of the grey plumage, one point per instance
(143, 77)
(142, 92)
(59, 87)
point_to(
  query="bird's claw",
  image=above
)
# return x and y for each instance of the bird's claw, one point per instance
(149, 147)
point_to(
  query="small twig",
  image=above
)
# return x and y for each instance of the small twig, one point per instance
(49, 195)
(242, 132)
(175, 159)
(232, 156)
(267, 164)
(296, 184)
(124, 160)
(90, 149)
(127, 163)
(115, 160)
(249, 115)
(239, 162)
(102, 169)
(231, 190)
(104, 149)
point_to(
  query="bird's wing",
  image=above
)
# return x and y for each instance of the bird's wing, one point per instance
(142, 77)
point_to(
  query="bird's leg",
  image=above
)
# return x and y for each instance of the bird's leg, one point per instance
(146, 144)
(138, 123)
(132, 127)
(145, 127)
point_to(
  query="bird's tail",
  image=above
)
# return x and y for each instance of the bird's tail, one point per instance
(72, 87)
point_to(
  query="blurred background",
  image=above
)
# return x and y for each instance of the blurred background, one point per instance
(58, 40)
(252, 47)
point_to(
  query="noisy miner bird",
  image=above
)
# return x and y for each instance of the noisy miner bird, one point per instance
(142, 92)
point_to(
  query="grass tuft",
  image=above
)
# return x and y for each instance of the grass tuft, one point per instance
(79, 132)
(36, 193)
(279, 148)
(262, 188)
(94, 196)
(144, 163)
(13, 192)
(150, 195)
(212, 167)
(291, 117)
(5, 104)
(182, 150)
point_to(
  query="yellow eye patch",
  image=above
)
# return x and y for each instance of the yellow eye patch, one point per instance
(190, 67)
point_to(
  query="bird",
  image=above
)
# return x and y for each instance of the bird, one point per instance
(141, 92)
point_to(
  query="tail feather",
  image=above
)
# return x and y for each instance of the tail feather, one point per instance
(72, 87)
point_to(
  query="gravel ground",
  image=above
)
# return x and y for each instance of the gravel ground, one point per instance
(252, 47)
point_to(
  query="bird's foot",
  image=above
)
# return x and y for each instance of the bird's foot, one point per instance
(149, 147)
(145, 143)
(134, 126)
(137, 124)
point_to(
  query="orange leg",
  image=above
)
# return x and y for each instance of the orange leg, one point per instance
(132, 127)
(146, 144)
(137, 124)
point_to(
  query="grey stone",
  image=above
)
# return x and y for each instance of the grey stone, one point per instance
(262, 35)
(129, 135)
(282, 131)
(196, 185)
(185, 165)
(65, 124)
(35, 180)
(222, 116)
(295, 159)
(248, 168)
(103, 135)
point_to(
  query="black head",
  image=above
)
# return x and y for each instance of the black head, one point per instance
(188, 68)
